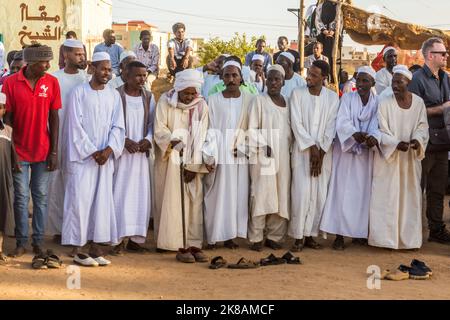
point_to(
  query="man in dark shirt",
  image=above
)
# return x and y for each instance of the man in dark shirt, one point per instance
(432, 84)
(283, 45)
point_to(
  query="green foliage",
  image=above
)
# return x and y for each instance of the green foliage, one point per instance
(238, 46)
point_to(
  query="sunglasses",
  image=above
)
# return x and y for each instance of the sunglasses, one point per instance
(442, 53)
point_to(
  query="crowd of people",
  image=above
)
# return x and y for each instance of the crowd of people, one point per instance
(234, 150)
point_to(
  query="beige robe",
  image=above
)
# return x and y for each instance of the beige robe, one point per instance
(269, 125)
(396, 204)
(171, 123)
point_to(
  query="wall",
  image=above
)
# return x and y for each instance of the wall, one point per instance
(23, 22)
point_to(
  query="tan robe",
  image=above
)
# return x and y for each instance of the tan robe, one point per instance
(171, 123)
(269, 125)
(396, 204)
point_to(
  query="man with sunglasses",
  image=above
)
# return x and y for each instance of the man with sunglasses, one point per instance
(432, 84)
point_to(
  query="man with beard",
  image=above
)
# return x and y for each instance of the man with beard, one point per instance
(95, 135)
(68, 78)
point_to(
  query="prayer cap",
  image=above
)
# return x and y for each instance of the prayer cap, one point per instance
(288, 55)
(2, 98)
(232, 63)
(226, 55)
(35, 54)
(126, 54)
(387, 49)
(402, 69)
(368, 70)
(259, 57)
(73, 43)
(189, 78)
(101, 56)
(277, 67)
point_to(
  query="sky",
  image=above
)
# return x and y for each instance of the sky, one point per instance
(211, 18)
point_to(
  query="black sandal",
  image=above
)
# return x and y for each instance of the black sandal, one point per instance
(291, 259)
(271, 260)
(53, 261)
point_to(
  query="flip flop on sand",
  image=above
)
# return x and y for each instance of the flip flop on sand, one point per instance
(244, 264)
(217, 263)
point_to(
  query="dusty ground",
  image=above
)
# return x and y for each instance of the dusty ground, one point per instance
(325, 274)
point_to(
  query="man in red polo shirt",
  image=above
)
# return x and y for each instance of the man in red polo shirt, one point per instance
(33, 100)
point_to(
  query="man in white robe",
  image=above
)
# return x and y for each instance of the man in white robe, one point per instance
(396, 204)
(256, 74)
(68, 78)
(383, 78)
(313, 120)
(227, 185)
(293, 80)
(270, 140)
(95, 136)
(181, 125)
(346, 210)
(132, 196)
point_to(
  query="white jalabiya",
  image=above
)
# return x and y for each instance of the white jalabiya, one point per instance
(227, 188)
(132, 196)
(67, 82)
(172, 122)
(347, 206)
(269, 125)
(296, 81)
(383, 80)
(94, 122)
(313, 122)
(396, 205)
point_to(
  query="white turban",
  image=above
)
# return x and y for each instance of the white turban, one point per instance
(368, 70)
(189, 78)
(226, 55)
(259, 57)
(387, 49)
(73, 43)
(288, 55)
(277, 67)
(101, 56)
(126, 54)
(2, 98)
(402, 69)
(232, 63)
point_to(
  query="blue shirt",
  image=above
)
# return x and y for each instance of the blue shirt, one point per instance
(114, 52)
(267, 59)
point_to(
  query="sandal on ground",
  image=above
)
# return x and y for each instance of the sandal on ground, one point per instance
(244, 264)
(271, 260)
(39, 262)
(53, 261)
(291, 259)
(217, 263)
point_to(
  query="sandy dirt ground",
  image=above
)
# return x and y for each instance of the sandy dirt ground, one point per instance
(325, 274)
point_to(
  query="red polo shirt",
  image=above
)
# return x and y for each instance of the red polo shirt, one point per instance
(31, 109)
